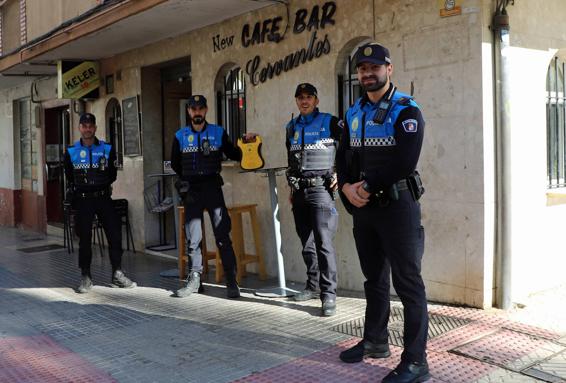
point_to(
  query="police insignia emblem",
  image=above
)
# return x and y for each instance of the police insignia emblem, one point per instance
(191, 138)
(296, 136)
(197, 98)
(355, 124)
(303, 86)
(367, 51)
(410, 126)
(83, 154)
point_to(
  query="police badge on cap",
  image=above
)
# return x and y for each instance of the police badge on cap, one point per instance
(87, 118)
(306, 88)
(372, 53)
(197, 100)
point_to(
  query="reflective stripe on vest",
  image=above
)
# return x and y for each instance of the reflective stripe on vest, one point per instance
(193, 160)
(376, 142)
(319, 148)
(86, 164)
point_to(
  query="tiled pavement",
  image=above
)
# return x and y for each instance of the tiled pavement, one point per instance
(48, 333)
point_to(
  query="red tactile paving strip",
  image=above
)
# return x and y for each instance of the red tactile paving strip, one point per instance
(502, 347)
(39, 359)
(487, 336)
(325, 366)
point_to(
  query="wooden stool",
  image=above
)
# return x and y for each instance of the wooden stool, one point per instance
(242, 258)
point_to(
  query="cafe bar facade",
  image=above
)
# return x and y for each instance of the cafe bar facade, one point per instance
(493, 205)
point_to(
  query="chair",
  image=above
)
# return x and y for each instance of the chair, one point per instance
(69, 227)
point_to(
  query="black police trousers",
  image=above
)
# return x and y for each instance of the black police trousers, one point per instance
(208, 197)
(391, 238)
(104, 210)
(316, 221)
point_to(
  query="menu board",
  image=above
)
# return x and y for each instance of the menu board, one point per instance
(131, 126)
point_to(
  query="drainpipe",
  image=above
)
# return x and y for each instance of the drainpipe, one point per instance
(504, 217)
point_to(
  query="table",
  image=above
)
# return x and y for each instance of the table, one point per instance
(281, 290)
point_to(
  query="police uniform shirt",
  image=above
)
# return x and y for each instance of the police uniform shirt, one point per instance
(407, 139)
(112, 171)
(295, 136)
(226, 147)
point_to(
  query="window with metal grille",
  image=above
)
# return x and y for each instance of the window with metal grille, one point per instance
(231, 103)
(349, 88)
(556, 123)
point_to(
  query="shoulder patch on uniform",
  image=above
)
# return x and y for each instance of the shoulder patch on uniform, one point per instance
(410, 125)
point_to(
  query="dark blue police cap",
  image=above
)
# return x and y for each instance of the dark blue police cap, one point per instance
(307, 88)
(87, 118)
(372, 53)
(197, 100)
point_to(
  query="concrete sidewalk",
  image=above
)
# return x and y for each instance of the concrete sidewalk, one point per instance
(48, 333)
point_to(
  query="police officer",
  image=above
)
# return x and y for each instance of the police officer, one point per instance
(90, 170)
(196, 157)
(311, 142)
(376, 173)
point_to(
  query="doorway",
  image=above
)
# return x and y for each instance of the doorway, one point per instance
(57, 138)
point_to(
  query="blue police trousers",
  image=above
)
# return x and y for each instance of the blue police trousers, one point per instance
(389, 238)
(316, 221)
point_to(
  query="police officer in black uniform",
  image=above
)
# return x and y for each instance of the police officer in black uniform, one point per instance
(376, 165)
(311, 142)
(90, 170)
(196, 157)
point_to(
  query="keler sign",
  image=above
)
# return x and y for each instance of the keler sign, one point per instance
(78, 79)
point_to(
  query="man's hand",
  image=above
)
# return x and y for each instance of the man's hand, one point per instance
(362, 192)
(249, 137)
(351, 192)
(333, 183)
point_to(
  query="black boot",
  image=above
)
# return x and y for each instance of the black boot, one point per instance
(408, 373)
(365, 348)
(193, 285)
(232, 289)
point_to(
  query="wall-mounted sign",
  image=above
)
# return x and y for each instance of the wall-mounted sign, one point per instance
(450, 7)
(131, 126)
(78, 79)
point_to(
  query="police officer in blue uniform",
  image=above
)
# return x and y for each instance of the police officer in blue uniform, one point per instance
(311, 142)
(90, 170)
(376, 166)
(196, 157)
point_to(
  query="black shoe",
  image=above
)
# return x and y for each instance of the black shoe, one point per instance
(232, 289)
(328, 307)
(365, 348)
(305, 295)
(408, 373)
(120, 280)
(85, 286)
(193, 285)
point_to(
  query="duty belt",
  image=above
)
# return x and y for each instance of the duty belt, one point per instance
(311, 182)
(94, 194)
(402, 185)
